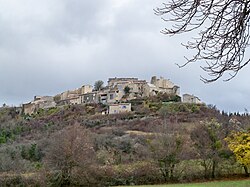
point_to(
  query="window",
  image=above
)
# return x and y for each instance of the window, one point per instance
(111, 96)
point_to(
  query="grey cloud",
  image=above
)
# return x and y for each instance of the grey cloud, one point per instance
(47, 47)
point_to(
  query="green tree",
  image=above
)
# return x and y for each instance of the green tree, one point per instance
(31, 152)
(223, 28)
(98, 85)
(127, 89)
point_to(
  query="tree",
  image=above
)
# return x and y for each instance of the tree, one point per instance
(208, 145)
(223, 32)
(127, 89)
(239, 144)
(167, 151)
(98, 85)
(71, 153)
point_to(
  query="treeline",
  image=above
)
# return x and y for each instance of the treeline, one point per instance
(157, 143)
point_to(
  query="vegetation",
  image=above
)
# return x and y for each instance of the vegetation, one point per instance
(161, 141)
(239, 143)
(127, 89)
(241, 183)
(98, 85)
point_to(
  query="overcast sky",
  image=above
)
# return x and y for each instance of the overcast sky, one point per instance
(49, 46)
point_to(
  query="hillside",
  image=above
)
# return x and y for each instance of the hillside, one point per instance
(76, 145)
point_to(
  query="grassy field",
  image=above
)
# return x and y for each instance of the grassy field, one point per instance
(239, 183)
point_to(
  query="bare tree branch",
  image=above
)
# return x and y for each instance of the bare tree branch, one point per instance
(223, 36)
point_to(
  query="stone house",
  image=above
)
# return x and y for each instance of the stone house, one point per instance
(74, 93)
(149, 90)
(119, 108)
(112, 82)
(165, 86)
(43, 102)
(136, 87)
(76, 100)
(187, 98)
(102, 97)
(110, 95)
(90, 97)
(29, 108)
(85, 89)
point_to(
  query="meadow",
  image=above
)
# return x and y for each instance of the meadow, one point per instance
(237, 183)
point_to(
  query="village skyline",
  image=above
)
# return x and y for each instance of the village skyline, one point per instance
(118, 90)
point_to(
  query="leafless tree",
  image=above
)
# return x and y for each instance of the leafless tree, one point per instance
(208, 144)
(223, 32)
(167, 151)
(71, 153)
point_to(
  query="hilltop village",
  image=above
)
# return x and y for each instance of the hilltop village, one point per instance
(116, 95)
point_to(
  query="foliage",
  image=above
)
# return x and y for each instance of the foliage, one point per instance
(79, 148)
(32, 153)
(127, 89)
(239, 144)
(181, 107)
(223, 32)
(98, 85)
(46, 112)
(164, 97)
(10, 131)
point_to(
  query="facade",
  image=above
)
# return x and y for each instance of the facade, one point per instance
(29, 108)
(112, 94)
(75, 93)
(122, 81)
(165, 86)
(136, 86)
(85, 89)
(75, 100)
(187, 98)
(42, 102)
(119, 108)
(91, 97)
(150, 90)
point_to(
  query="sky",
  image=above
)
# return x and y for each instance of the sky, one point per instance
(50, 46)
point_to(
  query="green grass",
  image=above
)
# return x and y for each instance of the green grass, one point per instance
(239, 183)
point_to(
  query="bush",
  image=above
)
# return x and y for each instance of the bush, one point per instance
(134, 174)
(181, 107)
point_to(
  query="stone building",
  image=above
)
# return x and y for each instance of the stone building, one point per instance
(90, 97)
(136, 86)
(29, 108)
(187, 98)
(165, 86)
(75, 93)
(113, 93)
(150, 90)
(119, 108)
(43, 102)
(121, 81)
